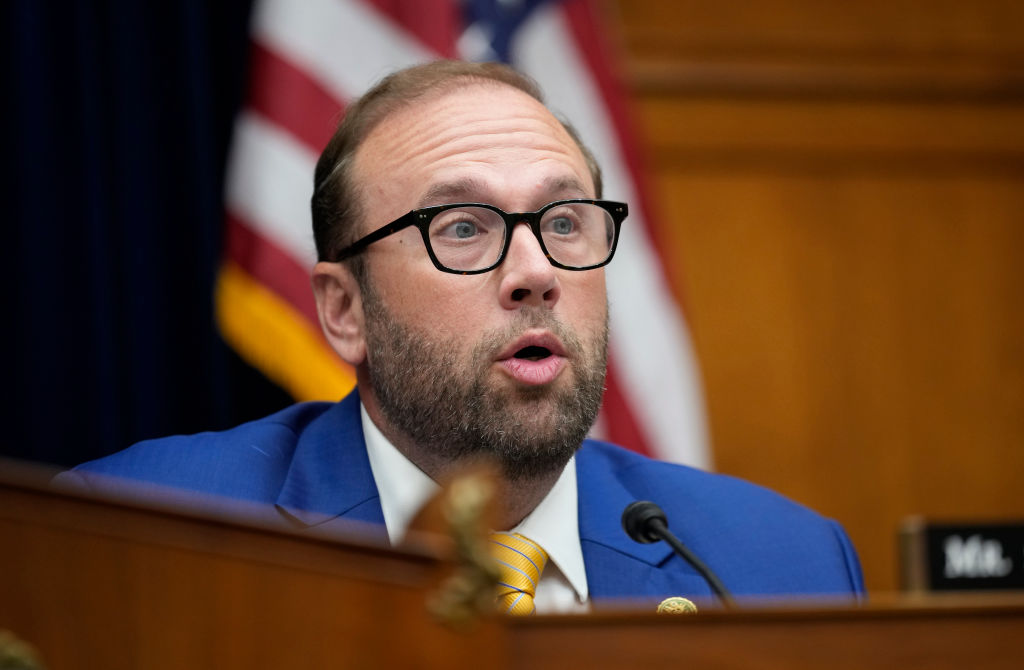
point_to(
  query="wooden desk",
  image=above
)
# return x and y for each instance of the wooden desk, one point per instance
(100, 583)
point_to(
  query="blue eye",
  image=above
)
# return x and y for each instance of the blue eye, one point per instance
(464, 229)
(466, 226)
(562, 226)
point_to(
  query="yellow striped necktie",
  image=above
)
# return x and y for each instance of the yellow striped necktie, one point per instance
(521, 561)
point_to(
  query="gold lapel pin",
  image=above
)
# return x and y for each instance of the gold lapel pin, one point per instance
(677, 605)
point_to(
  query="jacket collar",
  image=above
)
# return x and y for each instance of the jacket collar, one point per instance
(602, 498)
(330, 474)
(618, 568)
(330, 482)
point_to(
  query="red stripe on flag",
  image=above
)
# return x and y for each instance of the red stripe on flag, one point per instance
(287, 96)
(620, 423)
(436, 24)
(270, 265)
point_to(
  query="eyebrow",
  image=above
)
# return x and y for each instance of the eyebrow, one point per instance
(471, 189)
(450, 191)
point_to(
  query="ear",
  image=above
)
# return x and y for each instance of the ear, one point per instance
(340, 307)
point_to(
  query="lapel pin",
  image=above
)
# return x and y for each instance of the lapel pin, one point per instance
(677, 605)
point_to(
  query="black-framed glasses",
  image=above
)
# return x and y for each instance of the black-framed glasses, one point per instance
(471, 238)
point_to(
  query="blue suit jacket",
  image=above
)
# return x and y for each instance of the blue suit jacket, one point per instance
(310, 460)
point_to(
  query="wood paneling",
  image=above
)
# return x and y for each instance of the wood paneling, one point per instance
(841, 193)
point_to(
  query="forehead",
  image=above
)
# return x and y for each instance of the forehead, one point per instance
(484, 139)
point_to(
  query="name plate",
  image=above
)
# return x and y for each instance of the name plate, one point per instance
(962, 556)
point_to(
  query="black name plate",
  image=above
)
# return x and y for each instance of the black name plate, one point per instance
(963, 556)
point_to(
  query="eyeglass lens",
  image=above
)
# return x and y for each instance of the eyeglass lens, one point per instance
(471, 238)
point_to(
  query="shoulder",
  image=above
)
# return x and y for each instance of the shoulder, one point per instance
(247, 461)
(756, 535)
(671, 483)
(725, 501)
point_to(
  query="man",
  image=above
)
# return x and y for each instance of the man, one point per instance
(479, 335)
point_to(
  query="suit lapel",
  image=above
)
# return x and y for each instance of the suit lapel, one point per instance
(329, 476)
(618, 567)
(329, 481)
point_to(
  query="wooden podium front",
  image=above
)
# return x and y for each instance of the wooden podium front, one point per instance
(954, 634)
(95, 583)
(99, 583)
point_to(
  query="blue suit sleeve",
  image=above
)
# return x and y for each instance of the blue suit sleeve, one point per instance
(852, 561)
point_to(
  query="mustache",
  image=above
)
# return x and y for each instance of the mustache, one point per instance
(530, 318)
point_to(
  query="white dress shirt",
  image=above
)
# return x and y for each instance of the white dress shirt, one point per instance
(553, 524)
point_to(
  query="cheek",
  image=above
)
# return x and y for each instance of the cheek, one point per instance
(439, 305)
(587, 300)
(462, 312)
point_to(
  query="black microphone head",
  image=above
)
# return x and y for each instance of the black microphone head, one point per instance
(637, 518)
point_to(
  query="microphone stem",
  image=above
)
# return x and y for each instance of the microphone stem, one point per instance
(723, 593)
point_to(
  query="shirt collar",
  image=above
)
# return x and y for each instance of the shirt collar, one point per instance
(554, 525)
(404, 489)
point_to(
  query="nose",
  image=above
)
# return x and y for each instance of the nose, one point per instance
(527, 277)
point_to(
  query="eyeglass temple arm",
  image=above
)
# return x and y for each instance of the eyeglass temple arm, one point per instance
(379, 234)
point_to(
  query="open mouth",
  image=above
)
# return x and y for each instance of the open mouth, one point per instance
(533, 353)
(534, 359)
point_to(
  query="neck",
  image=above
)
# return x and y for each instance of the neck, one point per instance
(514, 501)
(515, 496)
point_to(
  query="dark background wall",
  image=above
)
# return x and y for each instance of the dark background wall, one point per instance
(118, 119)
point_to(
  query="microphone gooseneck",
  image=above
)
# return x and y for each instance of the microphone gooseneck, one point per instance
(645, 522)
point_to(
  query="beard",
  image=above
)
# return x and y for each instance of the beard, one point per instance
(450, 409)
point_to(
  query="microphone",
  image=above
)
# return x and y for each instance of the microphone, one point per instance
(645, 523)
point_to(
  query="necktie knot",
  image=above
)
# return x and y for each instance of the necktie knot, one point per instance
(521, 562)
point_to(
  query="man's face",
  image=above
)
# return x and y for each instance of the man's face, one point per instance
(509, 362)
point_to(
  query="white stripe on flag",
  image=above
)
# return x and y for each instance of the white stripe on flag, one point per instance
(269, 184)
(346, 46)
(649, 342)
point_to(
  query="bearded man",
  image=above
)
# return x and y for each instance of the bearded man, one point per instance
(462, 241)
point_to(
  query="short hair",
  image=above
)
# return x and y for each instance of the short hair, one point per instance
(335, 203)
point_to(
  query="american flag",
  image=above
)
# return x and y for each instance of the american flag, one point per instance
(308, 59)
